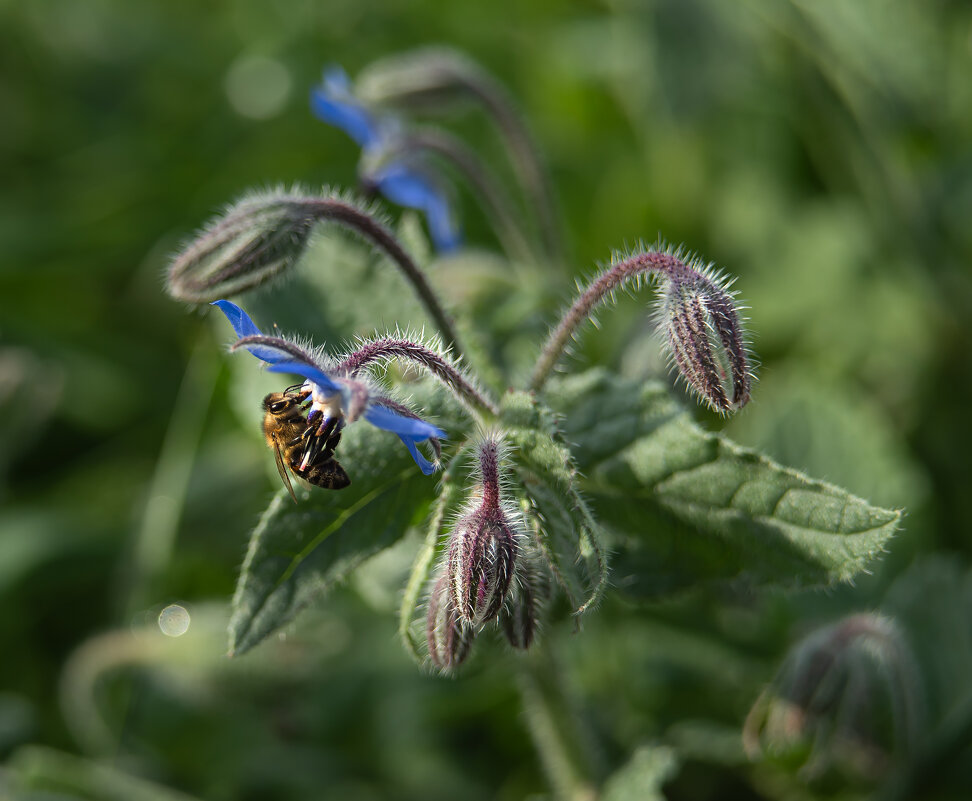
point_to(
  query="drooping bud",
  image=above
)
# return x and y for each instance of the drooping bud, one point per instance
(256, 238)
(697, 312)
(427, 78)
(483, 548)
(847, 698)
(449, 640)
(267, 232)
(705, 337)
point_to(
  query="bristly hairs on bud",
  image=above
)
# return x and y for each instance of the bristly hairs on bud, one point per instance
(485, 542)
(449, 639)
(265, 233)
(696, 311)
(520, 618)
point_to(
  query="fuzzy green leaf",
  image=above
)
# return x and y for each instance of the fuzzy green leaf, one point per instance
(687, 505)
(299, 551)
(565, 530)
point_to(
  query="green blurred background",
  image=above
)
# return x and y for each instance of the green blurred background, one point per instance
(821, 151)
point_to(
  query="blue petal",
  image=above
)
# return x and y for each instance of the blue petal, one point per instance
(408, 187)
(442, 225)
(424, 464)
(239, 319)
(334, 104)
(245, 327)
(415, 429)
(308, 371)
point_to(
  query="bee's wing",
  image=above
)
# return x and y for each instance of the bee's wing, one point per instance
(282, 468)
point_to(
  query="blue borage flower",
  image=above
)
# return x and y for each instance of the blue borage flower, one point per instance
(387, 164)
(332, 395)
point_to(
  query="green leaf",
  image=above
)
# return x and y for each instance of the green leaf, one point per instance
(299, 551)
(688, 505)
(565, 530)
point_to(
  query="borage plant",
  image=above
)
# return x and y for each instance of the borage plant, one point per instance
(547, 494)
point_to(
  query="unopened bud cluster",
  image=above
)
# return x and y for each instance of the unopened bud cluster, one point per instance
(482, 579)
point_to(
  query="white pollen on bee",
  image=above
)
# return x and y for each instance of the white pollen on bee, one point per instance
(329, 406)
(174, 620)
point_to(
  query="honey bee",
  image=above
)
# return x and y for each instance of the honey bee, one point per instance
(307, 451)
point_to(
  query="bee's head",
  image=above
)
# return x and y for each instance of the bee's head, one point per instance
(278, 402)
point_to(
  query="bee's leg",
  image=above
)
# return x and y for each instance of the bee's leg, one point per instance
(326, 427)
(333, 438)
(312, 447)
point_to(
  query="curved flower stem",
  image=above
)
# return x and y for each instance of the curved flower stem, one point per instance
(264, 234)
(554, 727)
(497, 205)
(159, 524)
(523, 153)
(379, 235)
(651, 261)
(387, 348)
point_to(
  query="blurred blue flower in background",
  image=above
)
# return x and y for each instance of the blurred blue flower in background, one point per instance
(388, 165)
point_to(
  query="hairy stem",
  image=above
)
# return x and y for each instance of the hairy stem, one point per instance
(598, 292)
(159, 524)
(554, 728)
(523, 152)
(497, 205)
(387, 348)
(381, 237)
(489, 472)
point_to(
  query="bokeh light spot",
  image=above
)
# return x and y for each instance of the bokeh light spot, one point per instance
(174, 620)
(257, 86)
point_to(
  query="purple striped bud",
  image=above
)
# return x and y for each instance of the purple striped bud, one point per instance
(706, 338)
(483, 549)
(449, 640)
(696, 311)
(519, 619)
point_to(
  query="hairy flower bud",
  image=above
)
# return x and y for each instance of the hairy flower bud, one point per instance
(428, 79)
(705, 337)
(449, 640)
(483, 549)
(847, 697)
(256, 238)
(697, 312)
(520, 618)
(265, 233)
